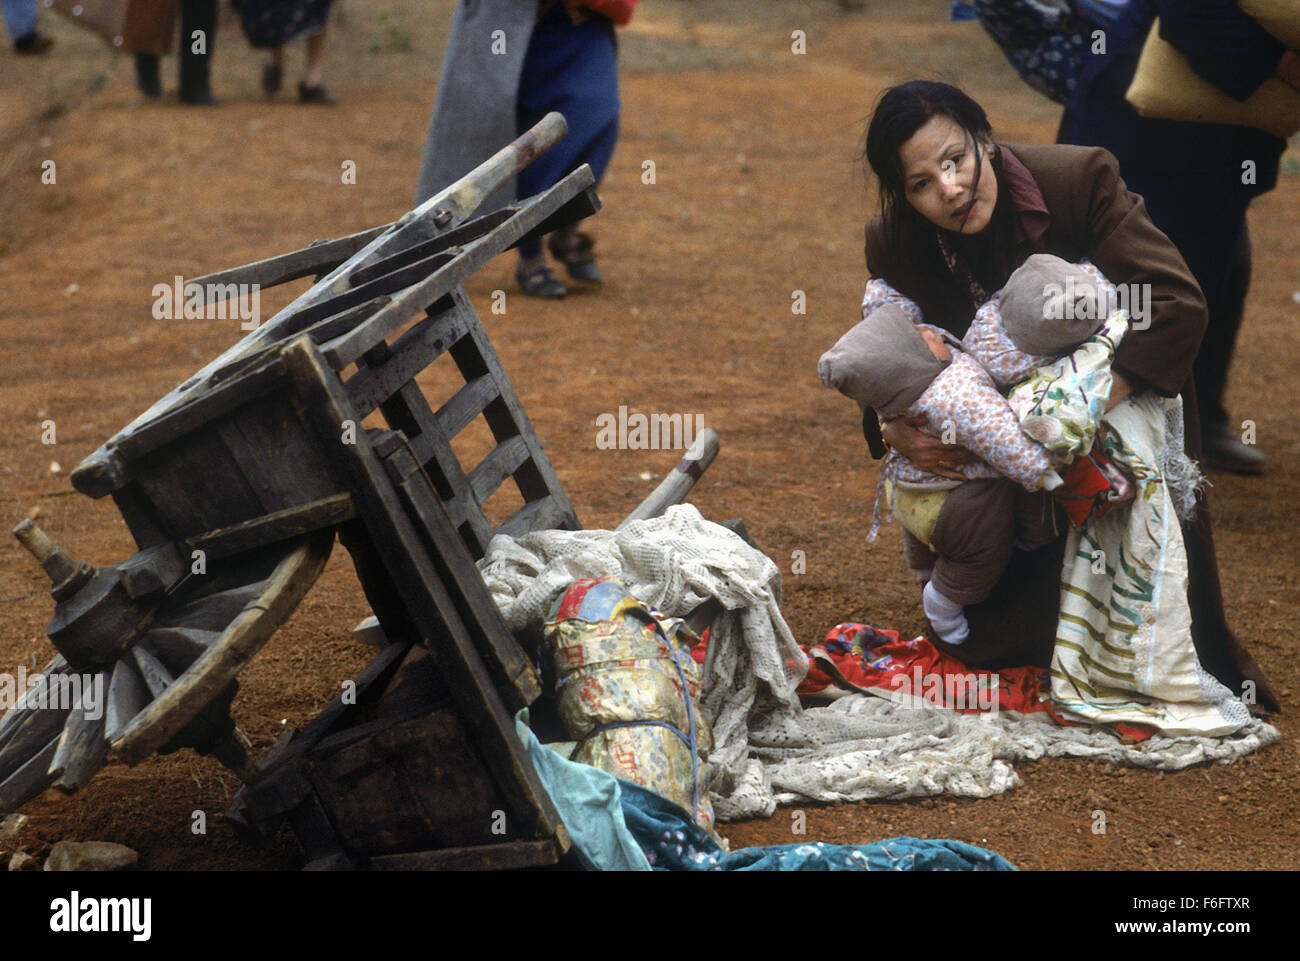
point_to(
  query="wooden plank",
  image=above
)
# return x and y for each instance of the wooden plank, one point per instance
(506, 417)
(486, 857)
(272, 528)
(541, 515)
(506, 458)
(408, 411)
(204, 408)
(466, 404)
(313, 259)
(196, 485)
(277, 460)
(82, 748)
(415, 350)
(456, 569)
(345, 349)
(466, 232)
(431, 609)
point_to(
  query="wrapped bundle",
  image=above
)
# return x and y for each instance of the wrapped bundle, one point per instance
(627, 690)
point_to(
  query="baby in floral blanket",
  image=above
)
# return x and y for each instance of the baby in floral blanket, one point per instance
(958, 536)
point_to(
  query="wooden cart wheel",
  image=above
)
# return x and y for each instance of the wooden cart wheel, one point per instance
(199, 641)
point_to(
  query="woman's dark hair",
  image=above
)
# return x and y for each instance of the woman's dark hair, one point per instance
(901, 112)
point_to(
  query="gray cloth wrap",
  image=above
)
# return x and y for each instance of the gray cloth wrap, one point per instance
(1049, 306)
(883, 363)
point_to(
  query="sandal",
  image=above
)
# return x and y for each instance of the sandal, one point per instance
(540, 281)
(574, 250)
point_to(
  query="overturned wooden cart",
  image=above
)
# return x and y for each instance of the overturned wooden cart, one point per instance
(234, 487)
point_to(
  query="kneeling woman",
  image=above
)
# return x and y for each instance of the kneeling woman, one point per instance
(958, 214)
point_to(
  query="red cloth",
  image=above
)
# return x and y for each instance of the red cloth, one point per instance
(620, 11)
(867, 657)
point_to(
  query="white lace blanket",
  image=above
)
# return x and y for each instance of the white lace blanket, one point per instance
(767, 749)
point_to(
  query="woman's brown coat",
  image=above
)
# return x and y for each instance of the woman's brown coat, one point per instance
(1092, 214)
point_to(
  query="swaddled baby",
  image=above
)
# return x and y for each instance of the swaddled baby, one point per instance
(958, 536)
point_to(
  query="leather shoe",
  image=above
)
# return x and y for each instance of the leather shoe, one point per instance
(1223, 450)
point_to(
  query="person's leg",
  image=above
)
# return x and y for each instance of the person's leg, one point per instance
(198, 37)
(972, 539)
(147, 80)
(918, 556)
(273, 72)
(20, 18)
(310, 89)
(1038, 519)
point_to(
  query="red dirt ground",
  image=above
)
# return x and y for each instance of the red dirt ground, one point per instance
(756, 195)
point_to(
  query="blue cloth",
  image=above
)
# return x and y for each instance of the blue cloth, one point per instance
(573, 69)
(20, 17)
(620, 826)
(589, 802)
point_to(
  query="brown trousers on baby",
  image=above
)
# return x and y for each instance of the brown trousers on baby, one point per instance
(978, 525)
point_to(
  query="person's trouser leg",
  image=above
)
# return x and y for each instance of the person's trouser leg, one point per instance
(973, 539)
(20, 17)
(197, 17)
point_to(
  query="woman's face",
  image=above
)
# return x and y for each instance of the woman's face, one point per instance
(939, 177)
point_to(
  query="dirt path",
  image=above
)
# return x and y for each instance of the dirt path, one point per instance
(756, 196)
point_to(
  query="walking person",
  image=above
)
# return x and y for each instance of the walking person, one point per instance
(270, 24)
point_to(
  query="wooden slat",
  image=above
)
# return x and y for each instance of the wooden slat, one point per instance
(345, 349)
(408, 411)
(492, 471)
(432, 611)
(415, 350)
(309, 260)
(466, 232)
(455, 567)
(272, 528)
(466, 404)
(540, 515)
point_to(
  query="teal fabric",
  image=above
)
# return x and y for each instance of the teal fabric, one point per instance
(589, 802)
(620, 826)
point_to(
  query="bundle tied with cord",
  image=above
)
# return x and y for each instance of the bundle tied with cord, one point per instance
(627, 690)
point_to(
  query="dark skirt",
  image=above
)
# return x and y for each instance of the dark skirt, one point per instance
(572, 69)
(272, 23)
